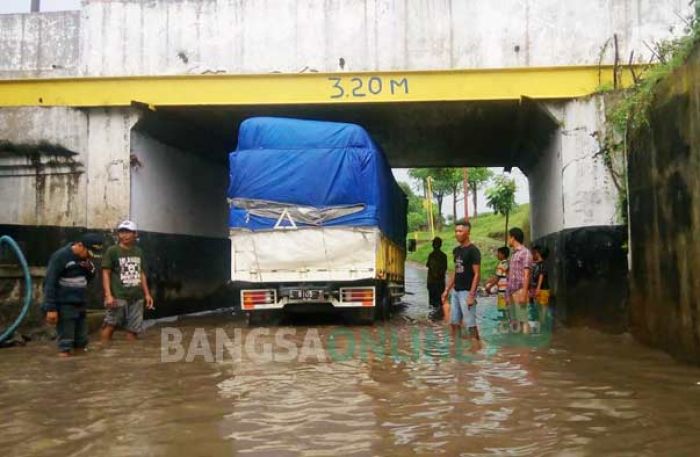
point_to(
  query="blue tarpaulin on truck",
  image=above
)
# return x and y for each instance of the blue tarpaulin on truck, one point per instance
(329, 169)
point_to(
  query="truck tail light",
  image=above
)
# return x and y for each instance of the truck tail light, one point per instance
(251, 298)
(365, 295)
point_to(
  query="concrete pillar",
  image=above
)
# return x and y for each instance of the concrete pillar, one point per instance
(574, 213)
(109, 178)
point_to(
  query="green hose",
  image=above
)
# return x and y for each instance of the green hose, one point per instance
(27, 290)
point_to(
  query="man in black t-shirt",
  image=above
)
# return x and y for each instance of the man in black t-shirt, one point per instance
(464, 280)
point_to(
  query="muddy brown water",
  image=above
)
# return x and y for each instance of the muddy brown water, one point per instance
(322, 388)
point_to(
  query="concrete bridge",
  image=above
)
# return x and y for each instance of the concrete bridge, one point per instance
(128, 108)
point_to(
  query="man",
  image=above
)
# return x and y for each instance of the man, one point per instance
(67, 275)
(437, 267)
(518, 279)
(464, 280)
(125, 285)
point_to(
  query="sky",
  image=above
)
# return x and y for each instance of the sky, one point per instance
(22, 6)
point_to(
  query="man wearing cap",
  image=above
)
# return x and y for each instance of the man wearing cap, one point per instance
(67, 275)
(124, 283)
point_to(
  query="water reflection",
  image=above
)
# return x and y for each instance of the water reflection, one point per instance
(575, 393)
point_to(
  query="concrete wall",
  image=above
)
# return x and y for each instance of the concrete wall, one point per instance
(234, 36)
(64, 167)
(39, 45)
(568, 180)
(62, 170)
(174, 191)
(574, 214)
(43, 153)
(176, 195)
(589, 195)
(178, 200)
(126, 37)
(664, 213)
(545, 184)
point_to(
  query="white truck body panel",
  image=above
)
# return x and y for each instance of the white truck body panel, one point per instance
(304, 254)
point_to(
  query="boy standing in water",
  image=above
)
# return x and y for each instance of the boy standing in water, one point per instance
(539, 288)
(124, 283)
(67, 275)
(500, 279)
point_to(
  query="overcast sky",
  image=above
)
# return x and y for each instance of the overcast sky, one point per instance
(22, 6)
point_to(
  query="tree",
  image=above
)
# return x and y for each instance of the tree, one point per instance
(415, 216)
(501, 198)
(453, 180)
(415, 221)
(444, 180)
(477, 178)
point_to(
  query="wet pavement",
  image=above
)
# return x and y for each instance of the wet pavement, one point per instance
(314, 387)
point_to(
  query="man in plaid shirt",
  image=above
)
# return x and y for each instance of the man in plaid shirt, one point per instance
(518, 278)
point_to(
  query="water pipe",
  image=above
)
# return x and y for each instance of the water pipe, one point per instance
(27, 289)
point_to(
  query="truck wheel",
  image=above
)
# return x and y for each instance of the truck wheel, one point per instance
(253, 319)
(250, 319)
(264, 317)
(383, 307)
(388, 305)
(363, 316)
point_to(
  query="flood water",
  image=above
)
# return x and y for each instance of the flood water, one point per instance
(576, 392)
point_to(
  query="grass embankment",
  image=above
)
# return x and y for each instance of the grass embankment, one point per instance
(486, 234)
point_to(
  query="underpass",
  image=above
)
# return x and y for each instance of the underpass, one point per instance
(128, 109)
(143, 100)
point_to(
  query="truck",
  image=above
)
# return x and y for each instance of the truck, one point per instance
(317, 221)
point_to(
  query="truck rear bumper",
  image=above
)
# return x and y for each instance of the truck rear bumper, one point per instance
(260, 299)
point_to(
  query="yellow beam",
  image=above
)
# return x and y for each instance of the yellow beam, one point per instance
(312, 88)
